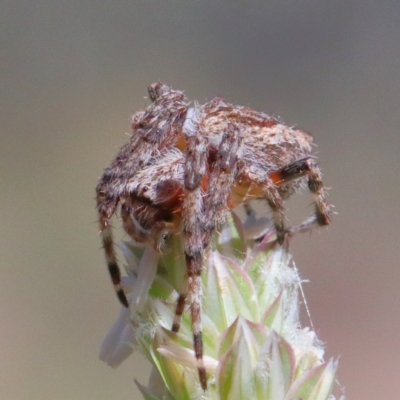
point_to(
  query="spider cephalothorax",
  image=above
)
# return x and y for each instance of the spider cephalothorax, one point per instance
(184, 167)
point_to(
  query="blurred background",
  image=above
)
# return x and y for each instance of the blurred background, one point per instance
(71, 75)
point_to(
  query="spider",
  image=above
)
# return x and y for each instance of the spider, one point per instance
(184, 167)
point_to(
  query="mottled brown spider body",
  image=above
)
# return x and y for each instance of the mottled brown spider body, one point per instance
(183, 168)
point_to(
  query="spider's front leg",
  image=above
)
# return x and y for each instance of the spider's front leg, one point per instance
(193, 233)
(154, 130)
(106, 206)
(199, 223)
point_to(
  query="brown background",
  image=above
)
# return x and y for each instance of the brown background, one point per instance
(71, 74)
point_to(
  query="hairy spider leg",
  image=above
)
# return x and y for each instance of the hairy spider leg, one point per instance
(154, 130)
(109, 191)
(198, 232)
(298, 169)
(273, 197)
(192, 225)
(222, 177)
(111, 258)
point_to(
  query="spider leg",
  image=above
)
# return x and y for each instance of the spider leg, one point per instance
(152, 206)
(273, 197)
(107, 203)
(111, 257)
(179, 308)
(156, 129)
(132, 226)
(198, 230)
(193, 229)
(222, 177)
(218, 191)
(109, 191)
(307, 167)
